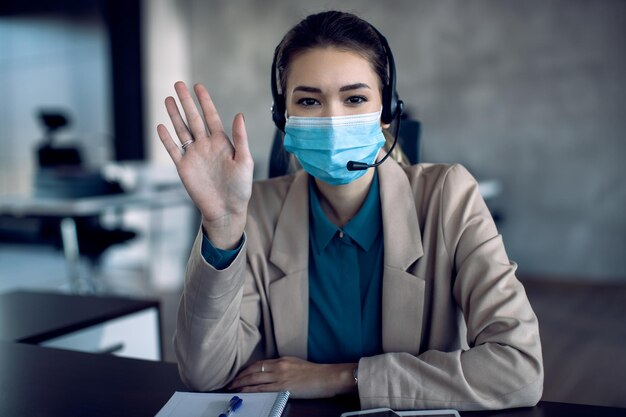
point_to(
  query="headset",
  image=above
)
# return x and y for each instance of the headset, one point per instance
(392, 105)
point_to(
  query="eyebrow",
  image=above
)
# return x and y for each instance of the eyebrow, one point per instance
(348, 87)
(354, 87)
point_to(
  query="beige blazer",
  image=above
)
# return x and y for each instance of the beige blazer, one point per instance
(457, 328)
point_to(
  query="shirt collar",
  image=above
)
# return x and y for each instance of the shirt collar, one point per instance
(363, 228)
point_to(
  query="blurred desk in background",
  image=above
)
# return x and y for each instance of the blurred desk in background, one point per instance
(489, 188)
(113, 325)
(22, 205)
(69, 210)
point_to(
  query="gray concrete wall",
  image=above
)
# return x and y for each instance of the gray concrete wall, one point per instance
(531, 93)
(51, 62)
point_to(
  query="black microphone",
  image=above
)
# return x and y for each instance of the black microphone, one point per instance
(359, 166)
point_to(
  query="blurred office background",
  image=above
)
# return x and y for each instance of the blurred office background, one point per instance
(531, 94)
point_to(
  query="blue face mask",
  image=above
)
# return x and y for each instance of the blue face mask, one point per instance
(324, 145)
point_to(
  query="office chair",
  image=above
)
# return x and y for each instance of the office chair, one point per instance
(408, 139)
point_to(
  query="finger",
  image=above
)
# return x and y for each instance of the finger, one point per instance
(259, 372)
(180, 127)
(211, 115)
(257, 378)
(252, 369)
(240, 138)
(169, 144)
(194, 120)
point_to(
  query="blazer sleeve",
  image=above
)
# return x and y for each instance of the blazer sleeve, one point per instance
(215, 336)
(502, 366)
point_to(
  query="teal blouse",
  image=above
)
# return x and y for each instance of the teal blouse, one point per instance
(345, 280)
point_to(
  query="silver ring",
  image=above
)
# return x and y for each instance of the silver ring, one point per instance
(262, 367)
(187, 143)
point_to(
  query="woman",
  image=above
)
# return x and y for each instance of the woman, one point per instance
(391, 281)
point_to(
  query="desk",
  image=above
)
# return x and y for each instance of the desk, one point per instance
(68, 209)
(126, 327)
(38, 381)
(22, 205)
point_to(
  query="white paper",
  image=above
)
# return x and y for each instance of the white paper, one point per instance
(197, 404)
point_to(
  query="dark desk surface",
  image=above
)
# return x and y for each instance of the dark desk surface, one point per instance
(33, 317)
(38, 381)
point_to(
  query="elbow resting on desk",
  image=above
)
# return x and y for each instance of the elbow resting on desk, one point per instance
(486, 377)
(199, 374)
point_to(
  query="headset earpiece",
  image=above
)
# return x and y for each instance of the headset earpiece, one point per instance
(392, 105)
(278, 106)
(388, 113)
(278, 114)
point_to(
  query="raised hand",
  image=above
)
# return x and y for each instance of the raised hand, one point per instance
(216, 173)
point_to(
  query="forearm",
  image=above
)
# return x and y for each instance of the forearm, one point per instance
(485, 377)
(212, 341)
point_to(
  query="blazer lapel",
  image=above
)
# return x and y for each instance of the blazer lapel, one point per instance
(403, 293)
(289, 295)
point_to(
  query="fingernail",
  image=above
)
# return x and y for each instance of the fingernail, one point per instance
(244, 117)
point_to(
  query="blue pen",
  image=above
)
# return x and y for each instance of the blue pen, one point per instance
(233, 405)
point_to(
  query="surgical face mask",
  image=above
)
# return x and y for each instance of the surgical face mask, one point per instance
(324, 145)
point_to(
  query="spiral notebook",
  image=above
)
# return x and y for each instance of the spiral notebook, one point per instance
(199, 404)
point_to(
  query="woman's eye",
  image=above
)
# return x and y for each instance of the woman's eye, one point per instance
(356, 99)
(307, 101)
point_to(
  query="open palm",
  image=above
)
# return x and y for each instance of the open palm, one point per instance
(216, 173)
